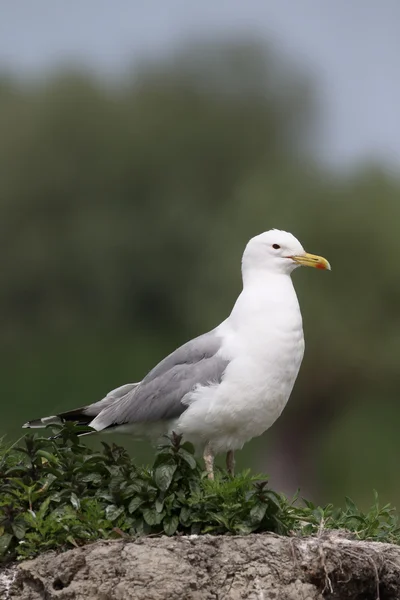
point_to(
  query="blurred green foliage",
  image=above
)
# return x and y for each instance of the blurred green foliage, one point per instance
(125, 207)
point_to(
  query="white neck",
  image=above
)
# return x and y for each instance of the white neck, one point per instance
(265, 298)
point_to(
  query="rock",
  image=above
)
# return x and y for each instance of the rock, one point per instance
(253, 567)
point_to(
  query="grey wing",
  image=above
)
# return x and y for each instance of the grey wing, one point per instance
(92, 410)
(159, 396)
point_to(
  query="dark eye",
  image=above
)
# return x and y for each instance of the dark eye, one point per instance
(276, 246)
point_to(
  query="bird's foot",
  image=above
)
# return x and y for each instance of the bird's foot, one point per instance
(209, 462)
(230, 463)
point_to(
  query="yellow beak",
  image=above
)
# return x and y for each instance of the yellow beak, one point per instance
(311, 260)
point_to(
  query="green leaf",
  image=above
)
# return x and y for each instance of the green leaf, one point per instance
(152, 517)
(184, 516)
(138, 527)
(188, 458)
(94, 477)
(132, 489)
(5, 541)
(170, 524)
(76, 503)
(244, 529)
(273, 497)
(350, 505)
(19, 528)
(96, 457)
(43, 507)
(318, 513)
(113, 512)
(257, 513)
(71, 540)
(163, 476)
(188, 447)
(134, 504)
(48, 456)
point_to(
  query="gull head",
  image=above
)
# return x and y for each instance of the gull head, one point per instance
(278, 251)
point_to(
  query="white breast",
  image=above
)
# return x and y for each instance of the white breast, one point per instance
(263, 339)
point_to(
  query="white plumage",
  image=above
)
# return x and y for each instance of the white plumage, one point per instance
(230, 385)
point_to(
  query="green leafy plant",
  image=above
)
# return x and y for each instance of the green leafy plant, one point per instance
(56, 493)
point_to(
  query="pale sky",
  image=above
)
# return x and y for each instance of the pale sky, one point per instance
(352, 47)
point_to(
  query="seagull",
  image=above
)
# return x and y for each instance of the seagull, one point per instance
(231, 384)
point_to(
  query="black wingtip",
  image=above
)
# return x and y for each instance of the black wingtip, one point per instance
(40, 423)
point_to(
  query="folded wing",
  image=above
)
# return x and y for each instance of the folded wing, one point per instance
(159, 396)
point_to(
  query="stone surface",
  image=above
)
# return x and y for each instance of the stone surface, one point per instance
(254, 567)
